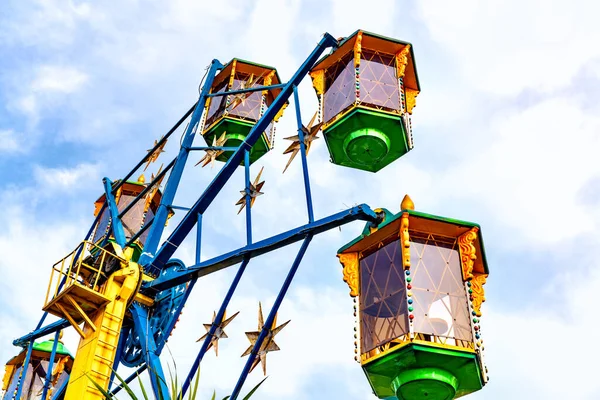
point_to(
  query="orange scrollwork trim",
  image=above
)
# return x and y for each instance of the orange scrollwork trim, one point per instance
(467, 252)
(478, 293)
(402, 61)
(350, 263)
(411, 99)
(232, 76)
(357, 49)
(405, 241)
(318, 80)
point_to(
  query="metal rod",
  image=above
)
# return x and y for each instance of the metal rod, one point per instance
(179, 208)
(160, 142)
(309, 205)
(174, 278)
(147, 188)
(198, 238)
(129, 379)
(187, 223)
(24, 370)
(218, 319)
(269, 322)
(38, 333)
(117, 226)
(212, 148)
(140, 232)
(157, 376)
(248, 198)
(252, 89)
(174, 178)
(50, 364)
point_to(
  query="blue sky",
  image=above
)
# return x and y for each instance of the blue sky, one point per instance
(506, 134)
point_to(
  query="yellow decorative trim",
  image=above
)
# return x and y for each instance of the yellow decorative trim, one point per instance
(405, 241)
(407, 203)
(467, 252)
(357, 49)
(411, 99)
(318, 80)
(232, 75)
(350, 263)
(387, 348)
(478, 293)
(402, 61)
(280, 112)
(268, 80)
(350, 109)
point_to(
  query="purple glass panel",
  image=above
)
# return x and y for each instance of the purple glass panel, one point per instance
(249, 107)
(378, 81)
(101, 227)
(440, 302)
(148, 219)
(383, 307)
(340, 87)
(133, 219)
(217, 105)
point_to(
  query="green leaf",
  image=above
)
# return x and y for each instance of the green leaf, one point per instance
(142, 387)
(106, 394)
(214, 395)
(254, 389)
(194, 392)
(126, 387)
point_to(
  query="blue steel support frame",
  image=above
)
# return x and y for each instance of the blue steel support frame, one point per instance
(171, 188)
(173, 278)
(198, 238)
(183, 229)
(269, 322)
(213, 328)
(116, 225)
(50, 365)
(309, 205)
(24, 370)
(248, 199)
(149, 348)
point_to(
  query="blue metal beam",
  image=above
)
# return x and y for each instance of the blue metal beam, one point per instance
(173, 278)
(38, 333)
(266, 328)
(189, 220)
(49, 367)
(309, 206)
(248, 199)
(24, 370)
(212, 148)
(117, 226)
(171, 187)
(129, 379)
(252, 89)
(157, 376)
(218, 319)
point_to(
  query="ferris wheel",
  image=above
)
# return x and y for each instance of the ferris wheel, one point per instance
(416, 279)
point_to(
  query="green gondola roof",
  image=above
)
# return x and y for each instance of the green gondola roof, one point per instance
(391, 218)
(47, 347)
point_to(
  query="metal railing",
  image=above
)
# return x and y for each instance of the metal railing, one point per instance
(86, 266)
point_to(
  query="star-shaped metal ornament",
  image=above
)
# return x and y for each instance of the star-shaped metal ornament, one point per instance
(155, 188)
(255, 188)
(219, 332)
(310, 135)
(156, 153)
(240, 98)
(267, 345)
(212, 154)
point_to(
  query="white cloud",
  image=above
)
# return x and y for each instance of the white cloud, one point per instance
(9, 143)
(67, 178)
(51, 78)
(507, 46)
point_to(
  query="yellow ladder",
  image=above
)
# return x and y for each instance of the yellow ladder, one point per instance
(98, 345)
